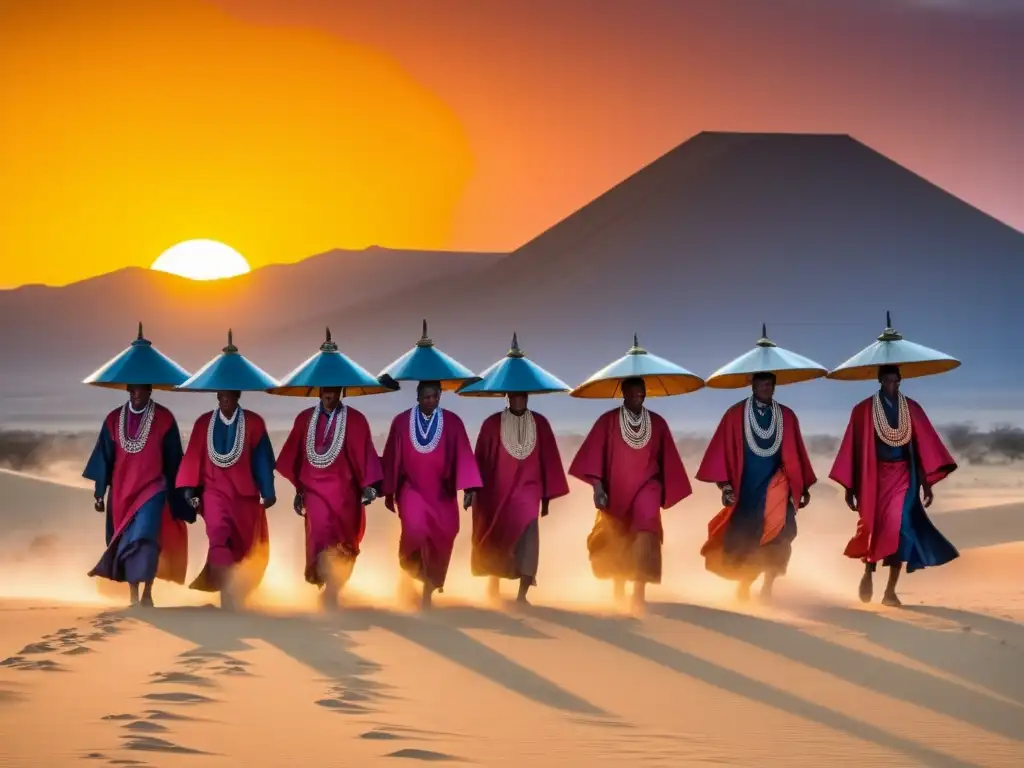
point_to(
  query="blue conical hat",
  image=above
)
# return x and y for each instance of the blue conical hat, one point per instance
(661, 377)
(425, 362)
(890, 348)
(229, 371)
(788, 367)
(330, 368)
(513, 373)
(140, 364)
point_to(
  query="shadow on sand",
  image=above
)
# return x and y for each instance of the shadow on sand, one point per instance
(324, 644)
(621, 633)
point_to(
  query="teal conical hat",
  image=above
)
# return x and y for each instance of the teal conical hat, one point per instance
(330, 368)
(229, 371)
(661, 378)
(513, 373)
(425, 362)
(766, 357)
(140, 364)
(890, 348)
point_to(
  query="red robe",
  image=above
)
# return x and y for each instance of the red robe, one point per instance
(425, 487)
(856, 468)
(335, 516)
(723, 463)
(512, 491)
(136, 478)
(236, 522)
(639, 483)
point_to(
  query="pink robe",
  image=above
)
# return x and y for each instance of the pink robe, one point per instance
(425, 487)
(335, 516)
(857, 468)
(236, 522)
(511, 495)
(640, 483)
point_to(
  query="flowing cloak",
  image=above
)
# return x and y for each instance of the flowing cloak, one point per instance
(508, 502)
(231, 506)
(755, 533)
(425, 487)
(893, 524)
(639, 483)
(335, 516)
(145, 528)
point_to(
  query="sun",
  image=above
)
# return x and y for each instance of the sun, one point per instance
(201, 260)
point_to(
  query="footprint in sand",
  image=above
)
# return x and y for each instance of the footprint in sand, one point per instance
(181, 678)
(179, 697)
(39, 665)
(339, 705)
(159, 714)
(145, 726)
(153, 744)
(122, 716)
(425, 755)
(378, 735)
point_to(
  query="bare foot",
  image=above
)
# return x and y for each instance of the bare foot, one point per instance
(866, 587)
(890, 599)
(146, 601)
(743, 591)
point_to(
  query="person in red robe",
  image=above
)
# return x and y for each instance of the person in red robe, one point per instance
(522, 472)
(634, 467)
(758, 460)
(133, 465)
(330, 460)
(227, 475)
(890, 459)
(428, 459)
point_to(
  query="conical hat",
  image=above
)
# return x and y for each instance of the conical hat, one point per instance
(330, 368)
(661, 377)
(229, 371)
(891, 348)
(766, 357)
(513, 373)
(425, 362)
(139, 364)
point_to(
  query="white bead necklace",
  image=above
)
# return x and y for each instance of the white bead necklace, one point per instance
(518, 433)
(229, 459)
(136, 444)
(904, 431)
(326, 459)
(752, 428)
(635, 427)
(420, 435)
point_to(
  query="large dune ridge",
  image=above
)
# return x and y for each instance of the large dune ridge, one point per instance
(814, 680)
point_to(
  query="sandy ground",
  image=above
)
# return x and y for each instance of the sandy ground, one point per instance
(815, 680)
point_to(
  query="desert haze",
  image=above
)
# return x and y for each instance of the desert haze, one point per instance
(816, 680)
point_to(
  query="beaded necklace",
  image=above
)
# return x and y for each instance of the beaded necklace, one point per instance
(425, 431)
(134, 444)
(903, 432)
(518, 433)
(752, 430)
(229, 459)
(326, 459)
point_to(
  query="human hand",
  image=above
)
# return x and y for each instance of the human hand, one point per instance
(98, 504)
(467, 499)
(192, 498)
(927, 496)
(369, 495)
(544, 507)
(268, 503)
(805, 499)
(600, 497)
(851, 500)
(728, 495)
(297, 505)
(389, 503)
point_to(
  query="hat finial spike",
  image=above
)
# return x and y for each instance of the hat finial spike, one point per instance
(140, 330)
(328, 339)
(888, 319)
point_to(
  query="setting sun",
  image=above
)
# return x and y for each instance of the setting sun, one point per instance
(201, 260)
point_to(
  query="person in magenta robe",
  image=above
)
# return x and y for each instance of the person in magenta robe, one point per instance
(522, 472)
(227, 475)
(758, 460)
(634, 467)
(890, 459)
(133, 465)
(330, 459)
(428, 459)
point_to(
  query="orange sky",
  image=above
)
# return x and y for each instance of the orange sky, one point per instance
(289, 127)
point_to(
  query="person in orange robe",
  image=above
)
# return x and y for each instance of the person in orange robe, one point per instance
(634, 467)
(758, 460)
(522, 472)
(889, 460)
(330, 460)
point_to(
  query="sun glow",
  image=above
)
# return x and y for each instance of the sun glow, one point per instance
(201, 260)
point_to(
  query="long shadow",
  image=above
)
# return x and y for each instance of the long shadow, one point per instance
(619, 634)
(972, 657)
(984, 526)
(468, 617)
(910, 685)
(436, 635)
(1005, 630)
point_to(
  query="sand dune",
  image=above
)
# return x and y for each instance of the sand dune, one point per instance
(816, 680)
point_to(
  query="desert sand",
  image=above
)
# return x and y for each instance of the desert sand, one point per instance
(815, 680)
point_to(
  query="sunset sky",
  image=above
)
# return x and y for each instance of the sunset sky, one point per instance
(289, 127)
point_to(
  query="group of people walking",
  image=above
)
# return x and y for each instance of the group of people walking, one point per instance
(150, 489)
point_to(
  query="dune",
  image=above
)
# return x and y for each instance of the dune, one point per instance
(815, 680)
